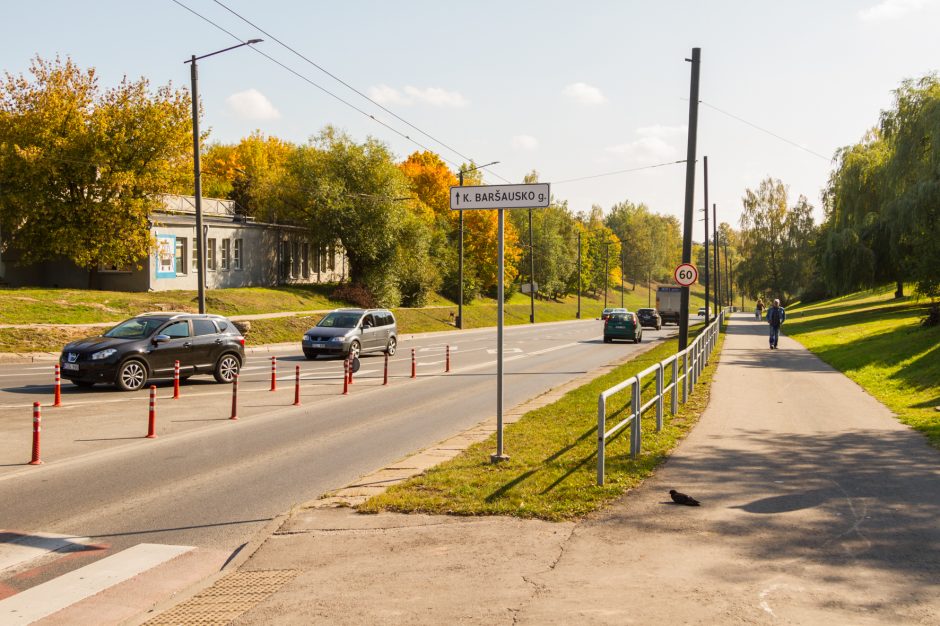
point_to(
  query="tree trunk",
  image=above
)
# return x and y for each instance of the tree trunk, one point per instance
(899, 292)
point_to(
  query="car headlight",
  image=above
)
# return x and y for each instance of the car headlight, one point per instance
(337, 339)
(97, 356)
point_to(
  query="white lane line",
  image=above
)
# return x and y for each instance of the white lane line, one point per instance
(24, 548)
(48, 598)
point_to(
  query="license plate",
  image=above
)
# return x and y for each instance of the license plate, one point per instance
(70, 366)
(316, 345)
(618, 325)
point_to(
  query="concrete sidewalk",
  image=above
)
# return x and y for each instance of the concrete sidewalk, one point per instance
(818, 507)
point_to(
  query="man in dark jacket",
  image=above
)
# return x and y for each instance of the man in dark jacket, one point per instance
(776, 315)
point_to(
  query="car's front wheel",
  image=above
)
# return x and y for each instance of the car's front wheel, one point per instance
(132, 375)
(392, 346)
(227, 368)
(354, 349)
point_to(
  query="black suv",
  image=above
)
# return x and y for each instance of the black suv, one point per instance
(146, 346)
(650, 318)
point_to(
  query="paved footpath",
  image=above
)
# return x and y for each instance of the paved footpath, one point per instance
(819, 507)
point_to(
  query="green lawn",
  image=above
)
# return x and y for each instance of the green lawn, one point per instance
(551, 473)
(878, 342)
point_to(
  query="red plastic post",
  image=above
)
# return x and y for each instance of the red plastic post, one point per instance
(297, 387)
(414, 364)
(385, 375)
(273, 373)
(58, 386)
(447, 360)
(176, 380)
(350, 370)
(234, 398)
(152, 428)
(346, 377)
(37, 427)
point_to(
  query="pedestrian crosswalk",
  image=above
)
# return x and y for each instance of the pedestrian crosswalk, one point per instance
(107, 590)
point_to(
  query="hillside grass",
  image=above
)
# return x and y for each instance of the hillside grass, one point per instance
(551, 472)
(878, 342)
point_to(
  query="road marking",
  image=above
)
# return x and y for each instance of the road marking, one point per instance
(48, 598)
(505, 350)
(18, 548)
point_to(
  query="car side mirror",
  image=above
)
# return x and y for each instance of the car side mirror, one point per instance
(161, 339)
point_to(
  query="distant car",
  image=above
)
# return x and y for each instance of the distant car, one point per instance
(649, 318)
(606, 313)
(147, 346)
(351, 332)
(623, 326)
(701, 311)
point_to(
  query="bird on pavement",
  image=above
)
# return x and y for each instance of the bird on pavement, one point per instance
(681, 498)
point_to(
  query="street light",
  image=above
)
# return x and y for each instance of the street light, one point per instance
(460, 250)
(197, 192)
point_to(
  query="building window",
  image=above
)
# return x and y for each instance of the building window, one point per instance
(305, 263)
(196, 254)
(181, 256)
(226, 254)
(295, 260)
(316, 259)
(210, 254)
(238, 254)
(331, 257)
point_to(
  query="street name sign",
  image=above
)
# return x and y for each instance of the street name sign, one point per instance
(531, 196)
(686, 274)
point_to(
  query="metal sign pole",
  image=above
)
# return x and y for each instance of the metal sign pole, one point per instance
(499, 456)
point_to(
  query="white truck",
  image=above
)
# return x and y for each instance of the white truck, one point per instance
(669, 304)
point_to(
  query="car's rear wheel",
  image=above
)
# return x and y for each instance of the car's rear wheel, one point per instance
(392, 346)
(132, 375)
(638, 337)
(354, 350)
(227, 368)
(607, 339)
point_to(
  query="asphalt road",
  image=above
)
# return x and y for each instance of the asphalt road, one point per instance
(211, 482)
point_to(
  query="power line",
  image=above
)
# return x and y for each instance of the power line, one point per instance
(348, 86)
(634, 169)
(764, 130)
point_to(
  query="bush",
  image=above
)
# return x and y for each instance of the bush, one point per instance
(354, 294)
(933, 316)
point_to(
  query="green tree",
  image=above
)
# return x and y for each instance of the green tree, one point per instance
(80, 167)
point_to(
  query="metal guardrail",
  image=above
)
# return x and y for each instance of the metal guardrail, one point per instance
(694, 359)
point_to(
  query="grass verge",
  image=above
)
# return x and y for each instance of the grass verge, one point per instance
(877, 341)
(551, 473)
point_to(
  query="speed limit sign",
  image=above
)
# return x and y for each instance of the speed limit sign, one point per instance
(686, 274)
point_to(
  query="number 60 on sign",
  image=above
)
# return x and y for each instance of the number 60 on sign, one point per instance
(686, 274)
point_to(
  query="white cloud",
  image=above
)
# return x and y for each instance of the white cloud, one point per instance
(526, 143)
(252, 105)
(891, 10)
(409, 95)
(658, 130)
(645, 150)
(584, 93)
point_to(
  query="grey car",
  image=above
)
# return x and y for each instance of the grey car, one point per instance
(351, 332)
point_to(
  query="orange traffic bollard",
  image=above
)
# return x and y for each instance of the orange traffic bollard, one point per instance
(176, 380)
(37, 427)
(273, 373)
(414, 365)
(385, 375)
(58, 386)
(297, 387)
(234, 415)
(152, 421)
(346, 377)
(447, 360)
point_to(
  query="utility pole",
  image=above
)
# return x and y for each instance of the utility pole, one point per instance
(728, 273)
(717, 259)
(621, 274)
(531, 273)
(460, 247)
(606, 270)
(689, 194)
(579, 275)
(707, 281)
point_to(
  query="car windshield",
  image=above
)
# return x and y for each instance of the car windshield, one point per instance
(646, 311)
(620, 317)
(338, 319)
(137, 328)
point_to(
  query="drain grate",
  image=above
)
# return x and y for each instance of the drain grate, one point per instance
(228, 598)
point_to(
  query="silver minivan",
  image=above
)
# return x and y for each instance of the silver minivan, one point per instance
(351, 332)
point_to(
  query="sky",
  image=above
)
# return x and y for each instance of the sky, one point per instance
(568, 89)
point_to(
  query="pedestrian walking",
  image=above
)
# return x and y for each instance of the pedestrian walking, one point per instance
(759, 309)
(776, 315)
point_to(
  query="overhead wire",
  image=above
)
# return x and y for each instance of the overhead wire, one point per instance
(352, 88)
(764, 130)
(614, 173)
(313, 83)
